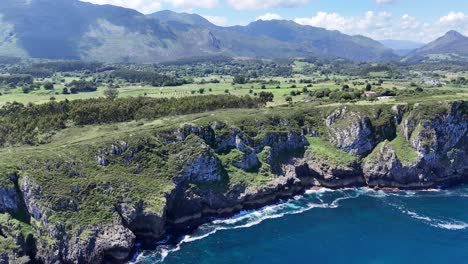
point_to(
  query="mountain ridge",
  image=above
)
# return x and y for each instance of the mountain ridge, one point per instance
(71, 29)
(451, 46)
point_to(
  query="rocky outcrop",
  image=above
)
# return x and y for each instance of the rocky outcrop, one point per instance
(247, 161)
(9, 197)
(384, 169)
(440, 145)
(350, 131)
(203, 168)
(315, 171)
(142, 223)
(90, 244)
(192, 206)
(198, 162)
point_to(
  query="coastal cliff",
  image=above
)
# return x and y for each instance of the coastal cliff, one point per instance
(88, 202)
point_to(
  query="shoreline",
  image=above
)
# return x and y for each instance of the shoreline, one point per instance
(174, 234)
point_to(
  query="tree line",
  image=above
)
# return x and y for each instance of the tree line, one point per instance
(16, 79)
(27, 124)
(155, 79)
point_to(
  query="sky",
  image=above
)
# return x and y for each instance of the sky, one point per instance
(416, 20)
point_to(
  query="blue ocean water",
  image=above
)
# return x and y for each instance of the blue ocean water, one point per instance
(325, 226)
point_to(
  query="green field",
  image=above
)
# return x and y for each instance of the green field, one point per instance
(280, 94)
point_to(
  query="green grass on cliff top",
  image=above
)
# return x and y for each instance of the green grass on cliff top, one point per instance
(402, 148)
(405, 153)
(329, 153)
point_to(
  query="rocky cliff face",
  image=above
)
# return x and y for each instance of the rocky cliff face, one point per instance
(350, 131)
(83, 245)
(438, 142)
(214, 169)
(9, 200)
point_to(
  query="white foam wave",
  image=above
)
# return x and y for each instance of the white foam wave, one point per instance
(444, 224)
(453, 226)
(314, 198)
(247, 219)
(319, 190)
(417, 216)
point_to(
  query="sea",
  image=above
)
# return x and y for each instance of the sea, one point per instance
(358, 225)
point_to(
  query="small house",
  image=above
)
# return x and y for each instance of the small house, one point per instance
(371, 94)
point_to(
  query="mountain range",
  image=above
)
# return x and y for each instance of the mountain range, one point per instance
(71, 29)
(451, 46)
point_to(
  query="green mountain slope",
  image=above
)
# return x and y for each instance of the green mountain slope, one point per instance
(451, 46)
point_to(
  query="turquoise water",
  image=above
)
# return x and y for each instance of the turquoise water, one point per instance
(325, 226)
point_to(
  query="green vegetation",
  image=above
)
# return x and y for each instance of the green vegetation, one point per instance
(102, 138)
(405, 153)
(253, 178)
(329, 153)
(10, 230)
(151, 78)
(34, 124)
(16, 79)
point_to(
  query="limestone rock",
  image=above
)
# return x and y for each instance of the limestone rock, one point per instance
(350, 132)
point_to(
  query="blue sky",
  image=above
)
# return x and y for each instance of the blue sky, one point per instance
(417, 20)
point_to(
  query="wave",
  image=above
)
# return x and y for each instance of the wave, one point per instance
(245, 219)
(454, 226)
(320, 198)
(450, 224)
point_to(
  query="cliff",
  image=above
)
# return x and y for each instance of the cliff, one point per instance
(88, 201)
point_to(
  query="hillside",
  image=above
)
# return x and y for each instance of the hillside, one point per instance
(92, 191)
(71, 29)
(296, 40)
(451, 46)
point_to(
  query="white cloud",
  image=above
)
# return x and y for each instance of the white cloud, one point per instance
(217, 20)
(453, 17)
(144, 6)
(384, 25)
(192, 3)
(149, 6)
(384, 2)
(264, 4)
(269, 16)
(332, 21)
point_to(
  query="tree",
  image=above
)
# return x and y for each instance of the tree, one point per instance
(65, 90)
(48, 86)
(240, 79)
(368, 87)
(111, 93)
(82, 86)
(266, 97)
(345, 88)
(289, 99)
(26, 89)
